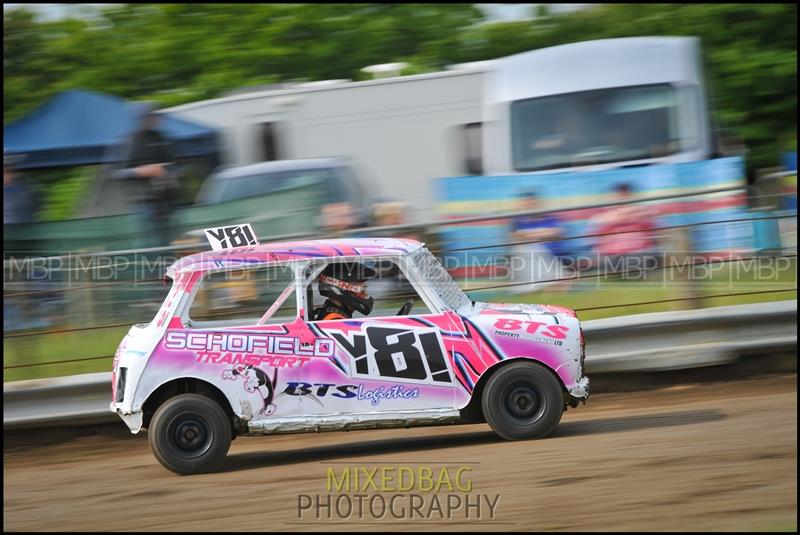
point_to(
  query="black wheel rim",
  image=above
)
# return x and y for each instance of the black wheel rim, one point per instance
(189, 435)
(523, 402)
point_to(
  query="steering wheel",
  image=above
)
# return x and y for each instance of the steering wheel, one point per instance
(406, 308)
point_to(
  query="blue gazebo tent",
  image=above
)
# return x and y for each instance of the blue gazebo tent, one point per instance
(84, 128)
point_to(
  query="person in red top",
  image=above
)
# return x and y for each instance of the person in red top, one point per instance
(626, 229)
(344, 286)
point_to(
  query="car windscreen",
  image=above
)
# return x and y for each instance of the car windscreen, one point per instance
(211, 190)
(259, 184)
(336, 183)
(340, 185)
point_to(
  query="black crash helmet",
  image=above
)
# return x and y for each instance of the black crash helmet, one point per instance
(345, 283)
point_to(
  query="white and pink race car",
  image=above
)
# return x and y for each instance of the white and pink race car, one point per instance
(235, 350)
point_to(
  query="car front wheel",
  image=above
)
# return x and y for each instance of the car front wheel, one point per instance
(189, 434)
(523, 400)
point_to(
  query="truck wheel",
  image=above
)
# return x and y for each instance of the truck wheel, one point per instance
(522, 400)
(189, 434)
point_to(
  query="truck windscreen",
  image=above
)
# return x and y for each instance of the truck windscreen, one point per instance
(595, 127)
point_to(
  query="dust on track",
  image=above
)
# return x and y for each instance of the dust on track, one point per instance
(718, 456)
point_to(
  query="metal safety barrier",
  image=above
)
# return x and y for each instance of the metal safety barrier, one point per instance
(663, 341)
(644, 342)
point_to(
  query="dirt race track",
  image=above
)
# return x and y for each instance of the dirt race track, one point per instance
(719, 456)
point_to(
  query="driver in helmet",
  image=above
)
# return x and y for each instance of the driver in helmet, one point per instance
(344, 286)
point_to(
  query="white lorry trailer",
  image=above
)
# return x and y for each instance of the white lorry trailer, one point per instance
(485, 118)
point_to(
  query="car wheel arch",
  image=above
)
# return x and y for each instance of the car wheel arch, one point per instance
(472, 411)
(186, 385)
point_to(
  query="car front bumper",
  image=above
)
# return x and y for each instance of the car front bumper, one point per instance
(581, 389)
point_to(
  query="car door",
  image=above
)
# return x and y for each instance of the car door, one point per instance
(382, 362)
(240, 327)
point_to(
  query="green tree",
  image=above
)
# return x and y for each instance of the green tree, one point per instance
(177, 53)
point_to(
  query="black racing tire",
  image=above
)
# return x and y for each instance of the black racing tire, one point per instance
(190, 434)
(523, 400)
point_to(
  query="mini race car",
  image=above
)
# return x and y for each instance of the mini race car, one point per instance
(209, 368)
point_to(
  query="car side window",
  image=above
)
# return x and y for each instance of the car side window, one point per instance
(389, 289)
(250, 297)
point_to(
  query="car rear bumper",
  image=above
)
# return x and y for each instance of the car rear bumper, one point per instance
(132, 419)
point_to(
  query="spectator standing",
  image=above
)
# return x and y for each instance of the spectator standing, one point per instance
(626, 229)
(18, 198)
(539, 259)
(19, 206)
(149, 166)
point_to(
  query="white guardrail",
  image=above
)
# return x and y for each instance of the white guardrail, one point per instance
(643, 342)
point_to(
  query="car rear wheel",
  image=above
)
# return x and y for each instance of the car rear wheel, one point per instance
(189, 434)
(523, 400)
